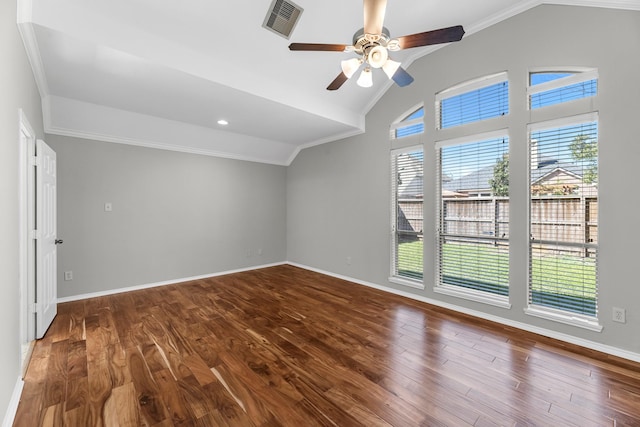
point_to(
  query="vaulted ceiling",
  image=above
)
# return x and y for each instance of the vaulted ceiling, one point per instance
(161, 73)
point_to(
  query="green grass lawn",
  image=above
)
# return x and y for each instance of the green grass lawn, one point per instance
(410, 260)
(486, 267)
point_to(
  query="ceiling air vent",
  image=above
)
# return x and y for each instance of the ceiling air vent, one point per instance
(282, 17)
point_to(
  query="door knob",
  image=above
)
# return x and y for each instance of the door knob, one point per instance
(58, 241)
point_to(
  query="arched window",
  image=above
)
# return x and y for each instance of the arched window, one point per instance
(548, 88)
(410, 124)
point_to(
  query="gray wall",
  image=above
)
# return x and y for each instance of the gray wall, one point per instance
(175, 215)
(17, 90)
(338, 194)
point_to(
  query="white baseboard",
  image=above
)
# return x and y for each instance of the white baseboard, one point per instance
(615, 351)
(10, 415)
(165, 283)
(603, 348)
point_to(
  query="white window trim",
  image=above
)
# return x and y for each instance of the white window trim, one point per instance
(580, 77)
(394, 127)
(465, 87)
(472, 295)
(549, 313)
(471, 85)
(457, 291)
(476, 137)
(400, 123)
(405, 281)
(567, 318)
(562, 122)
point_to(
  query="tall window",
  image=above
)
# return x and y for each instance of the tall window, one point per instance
(474, 215)
(564, 216)
(473, 205)
(407, 216)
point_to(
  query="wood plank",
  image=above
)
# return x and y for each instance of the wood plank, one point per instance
(77, 392)
(175, 400)
(147, 396)
(283, 346)
(56, 385)
(124, 402)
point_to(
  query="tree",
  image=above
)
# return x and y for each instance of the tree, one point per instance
(500, 181)
(585, 150)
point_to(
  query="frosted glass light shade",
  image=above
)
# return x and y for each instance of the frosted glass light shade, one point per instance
(366, 78)
(350, 66)
(378, 56)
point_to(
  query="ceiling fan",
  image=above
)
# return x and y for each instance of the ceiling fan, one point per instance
(372, 44)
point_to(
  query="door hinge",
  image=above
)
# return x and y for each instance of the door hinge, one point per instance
(34, 307)
(35, 234)
(35, 161)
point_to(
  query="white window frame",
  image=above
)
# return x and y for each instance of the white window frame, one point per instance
(401, 123)
(451, 290)
(401, 280)
(549, 313)
(581, 75)
(463, 88)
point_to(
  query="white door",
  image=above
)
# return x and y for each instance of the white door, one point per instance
(46, 256)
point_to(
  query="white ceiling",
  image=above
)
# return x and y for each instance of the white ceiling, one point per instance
(160, 73)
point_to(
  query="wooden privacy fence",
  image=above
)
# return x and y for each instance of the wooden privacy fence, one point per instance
(569, 219)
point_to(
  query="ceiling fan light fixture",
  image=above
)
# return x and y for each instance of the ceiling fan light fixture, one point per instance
(390, 67)
(366, 78)
(378, 56)
(350, 66)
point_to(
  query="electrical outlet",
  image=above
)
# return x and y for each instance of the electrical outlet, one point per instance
(348, 260)
(619, 315)
(68, 275)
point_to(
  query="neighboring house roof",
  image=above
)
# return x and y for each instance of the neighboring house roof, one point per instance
(479, 180)
(410, 176)
(552, 173)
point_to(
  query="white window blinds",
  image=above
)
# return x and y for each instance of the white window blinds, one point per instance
(413, 124)
(407, 213)
(474, 215)
(473, 101)
(564, 216)
(554, 87)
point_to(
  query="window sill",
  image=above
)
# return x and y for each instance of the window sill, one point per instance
(563, 317)
(471, 295)
(406, 282)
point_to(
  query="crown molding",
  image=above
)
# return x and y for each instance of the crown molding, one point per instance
(333, 138)
(28, 35)
(608, 4)
(54, 130)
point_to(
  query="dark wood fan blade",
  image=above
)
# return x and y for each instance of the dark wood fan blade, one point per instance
(318, 47)
(374, 11)
(443, 35)
(402, 78)
(338, 81)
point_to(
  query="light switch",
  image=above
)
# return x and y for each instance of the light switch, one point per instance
(108, 207)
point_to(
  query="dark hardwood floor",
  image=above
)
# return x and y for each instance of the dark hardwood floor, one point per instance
(284, 346)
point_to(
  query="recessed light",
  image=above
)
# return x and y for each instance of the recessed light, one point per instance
(223, 122)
